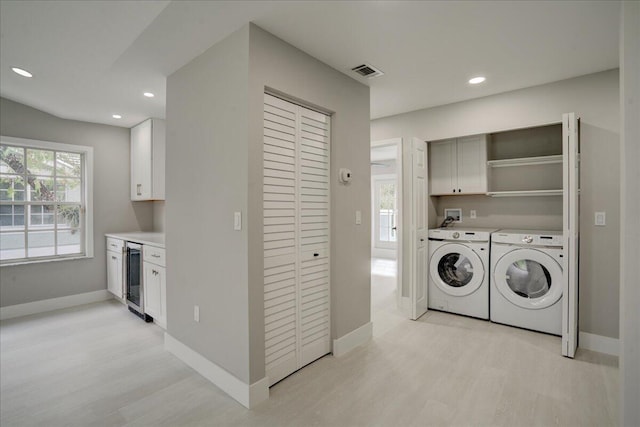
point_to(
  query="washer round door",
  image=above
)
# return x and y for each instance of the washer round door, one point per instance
(528, 278)
(456, 269)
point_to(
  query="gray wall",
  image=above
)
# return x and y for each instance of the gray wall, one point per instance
(214, 141)
(630, 229)
(206, 181)
(595, 99)
(113, 209)
(279, 66)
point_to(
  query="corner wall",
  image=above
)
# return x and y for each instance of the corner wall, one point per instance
(630, 208)
(276, 65)
(113, 210)
(206, 182)
(595, 99)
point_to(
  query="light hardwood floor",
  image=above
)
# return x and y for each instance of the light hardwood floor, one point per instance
(99, 365)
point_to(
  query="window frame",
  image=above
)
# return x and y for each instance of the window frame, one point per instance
(86, 200)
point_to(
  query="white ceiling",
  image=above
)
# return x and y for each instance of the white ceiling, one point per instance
(92, 59)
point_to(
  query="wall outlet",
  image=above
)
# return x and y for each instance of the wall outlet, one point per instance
(196, 313)
(601, 219)
(472, 214)
(456, 213)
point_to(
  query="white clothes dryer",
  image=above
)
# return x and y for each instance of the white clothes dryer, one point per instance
(459, 271)
(526, 279)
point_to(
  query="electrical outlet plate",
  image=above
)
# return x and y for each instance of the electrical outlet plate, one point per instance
(456, 213)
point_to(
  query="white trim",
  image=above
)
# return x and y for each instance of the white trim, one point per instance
(353, 339)
(42, 306)
(599, 343)
(247, 395)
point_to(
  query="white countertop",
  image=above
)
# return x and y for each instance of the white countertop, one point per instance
(145, 238)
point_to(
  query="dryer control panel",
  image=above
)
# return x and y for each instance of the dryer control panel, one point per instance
(528, 237)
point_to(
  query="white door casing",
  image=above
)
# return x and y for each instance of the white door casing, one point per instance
(571, 231)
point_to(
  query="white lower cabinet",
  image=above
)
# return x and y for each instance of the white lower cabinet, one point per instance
(115, 268)
(155, 284)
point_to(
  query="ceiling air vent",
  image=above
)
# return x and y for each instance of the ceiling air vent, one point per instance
(368, 71)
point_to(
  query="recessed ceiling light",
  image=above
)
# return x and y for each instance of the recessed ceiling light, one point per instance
(149, 95)
(22, 72)
(117, 116)
(477, 80)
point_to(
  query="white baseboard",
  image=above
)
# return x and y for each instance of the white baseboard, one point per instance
(353, 339)
(248, 395)
(599, 343)
(42, 306)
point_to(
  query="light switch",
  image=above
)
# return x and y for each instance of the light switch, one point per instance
(358, 217)
(196, 313)
(237, 220)
(601, 218)
(472, 214)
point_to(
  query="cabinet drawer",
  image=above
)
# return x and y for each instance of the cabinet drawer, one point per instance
(115, 245)
(154, 255)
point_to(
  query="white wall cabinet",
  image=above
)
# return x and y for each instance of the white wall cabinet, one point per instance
(155, 284)
(459, 166)
(115, 267)
(148, 160)
(296, 237)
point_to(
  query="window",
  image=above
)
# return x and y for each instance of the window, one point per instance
(45, 201)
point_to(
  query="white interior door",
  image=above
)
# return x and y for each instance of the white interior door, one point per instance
(571, 229)
(415, 203)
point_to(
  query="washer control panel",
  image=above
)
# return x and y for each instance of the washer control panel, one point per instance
(467, 235)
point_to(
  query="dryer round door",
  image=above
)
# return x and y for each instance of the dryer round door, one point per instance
(456, 269)
(528, 278)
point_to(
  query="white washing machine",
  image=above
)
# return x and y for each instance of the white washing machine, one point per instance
(526, 279)
(459, 271)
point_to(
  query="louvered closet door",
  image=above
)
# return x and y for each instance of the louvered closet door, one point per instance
(314, 234)
(296, 236)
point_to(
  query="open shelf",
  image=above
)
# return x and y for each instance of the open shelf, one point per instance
(525, 193)
(525, 161)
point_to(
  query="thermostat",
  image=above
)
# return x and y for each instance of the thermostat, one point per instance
(345, 175)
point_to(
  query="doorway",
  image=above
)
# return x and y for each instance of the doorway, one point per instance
(386, 202)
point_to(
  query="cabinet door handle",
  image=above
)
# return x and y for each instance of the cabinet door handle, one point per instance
(459, 190)
(155, 255)
(454, 190)
(139, 189)
(114, 258)
(316, 254)
(155, 273)
(114, 246)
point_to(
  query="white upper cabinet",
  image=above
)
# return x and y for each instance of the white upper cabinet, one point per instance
(459, 166)
(148, 160)
(443, 167)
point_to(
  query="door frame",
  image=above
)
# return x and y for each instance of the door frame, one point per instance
(571, 231)
(397, 142)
